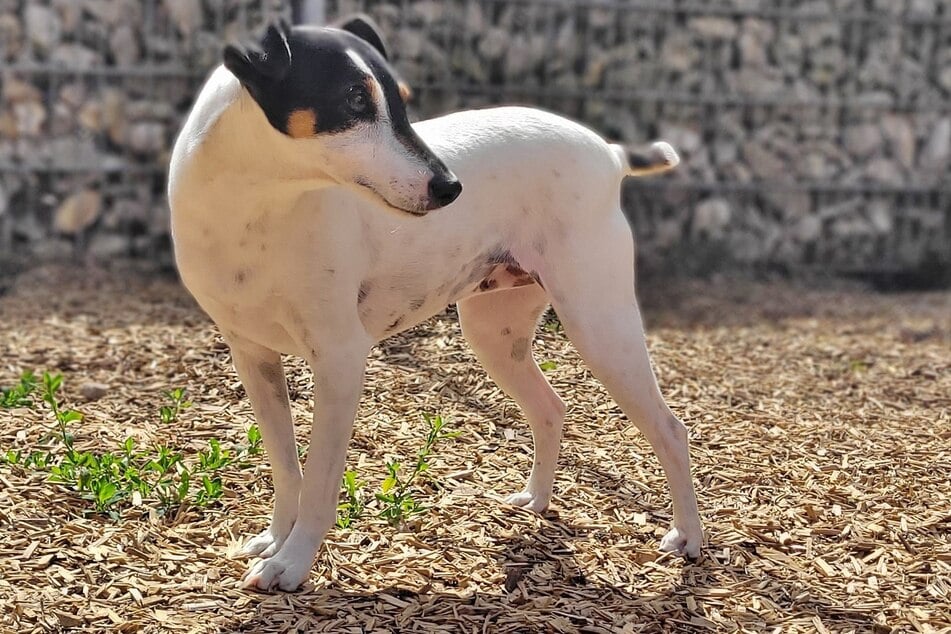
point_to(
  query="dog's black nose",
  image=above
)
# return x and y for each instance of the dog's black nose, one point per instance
(443, 191)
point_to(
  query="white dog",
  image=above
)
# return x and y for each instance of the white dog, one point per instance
(299, 195)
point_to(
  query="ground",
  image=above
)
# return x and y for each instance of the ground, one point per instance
(821, 442)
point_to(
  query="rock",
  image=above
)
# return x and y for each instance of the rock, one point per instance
(29, 116)
(77, 212)
(4, 204)
(146, 137)
(863, 140)
(901, 138)
(710, 218)
(713, 27)
(762, 162)
(16, 90)
(185, 14)
(808, 228)
(11, 34)
(678, 52)
(93, 391)
(885, 171)
(43, 27)
(880, 217)
(493, 44)
(124, 46)
(937, 150)
(685, 139)
(104, 246)
(76, 56)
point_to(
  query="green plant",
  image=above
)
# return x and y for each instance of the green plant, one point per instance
(19, 394)
(177, 403)
(353, 506)
(51, 385)
(396, 493)
(110, 481)
(254, 441)
(545, 366)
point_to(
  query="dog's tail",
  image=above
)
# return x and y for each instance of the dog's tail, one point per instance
(658, 157)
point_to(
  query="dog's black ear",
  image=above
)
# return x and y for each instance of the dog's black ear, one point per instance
(258, 62)
(366, 29)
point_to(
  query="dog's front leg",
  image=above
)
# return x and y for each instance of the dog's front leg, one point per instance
(338, 383)
(262, 375)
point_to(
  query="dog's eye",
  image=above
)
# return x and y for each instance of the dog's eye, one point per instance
(357, 99)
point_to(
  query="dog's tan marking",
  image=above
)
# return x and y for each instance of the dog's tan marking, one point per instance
(373, 88)
(302, 123)
(406, 93)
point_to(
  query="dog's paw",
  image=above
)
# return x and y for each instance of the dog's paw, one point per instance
(283, 570)
(263, 545)
(528, 500)
(686, 543)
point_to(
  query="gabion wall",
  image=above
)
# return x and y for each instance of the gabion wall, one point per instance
(814, 132)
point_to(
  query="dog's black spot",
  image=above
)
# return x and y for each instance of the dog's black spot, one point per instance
(330, 271)
(240, 276)
(363, 291)
(396, 323)
(488, 284)
(506, 331)
(501, 255)
(520, 348)
(417, 303)
(537, 278)
(273, 373)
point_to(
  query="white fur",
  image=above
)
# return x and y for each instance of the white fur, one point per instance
(276, 241)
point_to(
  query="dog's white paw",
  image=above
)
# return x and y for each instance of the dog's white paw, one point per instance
(528, 500)
(686, 542)
(264, 544)
(284, 570)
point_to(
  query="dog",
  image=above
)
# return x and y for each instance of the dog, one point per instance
(309, 217)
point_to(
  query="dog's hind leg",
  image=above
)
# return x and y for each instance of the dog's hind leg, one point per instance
(262, 374)
(592, 289)
(500, 327)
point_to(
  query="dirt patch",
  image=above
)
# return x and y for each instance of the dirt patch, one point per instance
(821, 437)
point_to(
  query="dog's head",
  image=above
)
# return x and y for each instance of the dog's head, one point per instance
(331, 91)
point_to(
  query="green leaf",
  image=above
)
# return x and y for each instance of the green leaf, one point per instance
(547, 365)
(388, 484)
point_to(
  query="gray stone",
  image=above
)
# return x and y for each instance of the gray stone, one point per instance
(29, 117)
(93, 391)
(76, 56)
(885, 171)
(124, 46)
(710, 218)
(713, 27)
(186, 14)
(762, 162)
(808, 228)
(146, 137)
(43, 27)
(678, 52)
(935, 155)
(11, 35)
(863, 140)
(685, 139)
(493, 44)
(108, 245)
(880, 217)
(901, 138)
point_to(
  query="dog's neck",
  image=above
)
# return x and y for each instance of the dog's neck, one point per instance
(239, 139)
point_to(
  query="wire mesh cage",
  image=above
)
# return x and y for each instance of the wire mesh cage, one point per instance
(815, 133)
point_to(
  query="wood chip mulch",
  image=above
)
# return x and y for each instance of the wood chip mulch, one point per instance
(821, 439)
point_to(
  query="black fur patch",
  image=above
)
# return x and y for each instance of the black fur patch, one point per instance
(317, 76)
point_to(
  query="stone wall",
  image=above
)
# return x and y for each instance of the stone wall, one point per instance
(814, 132)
